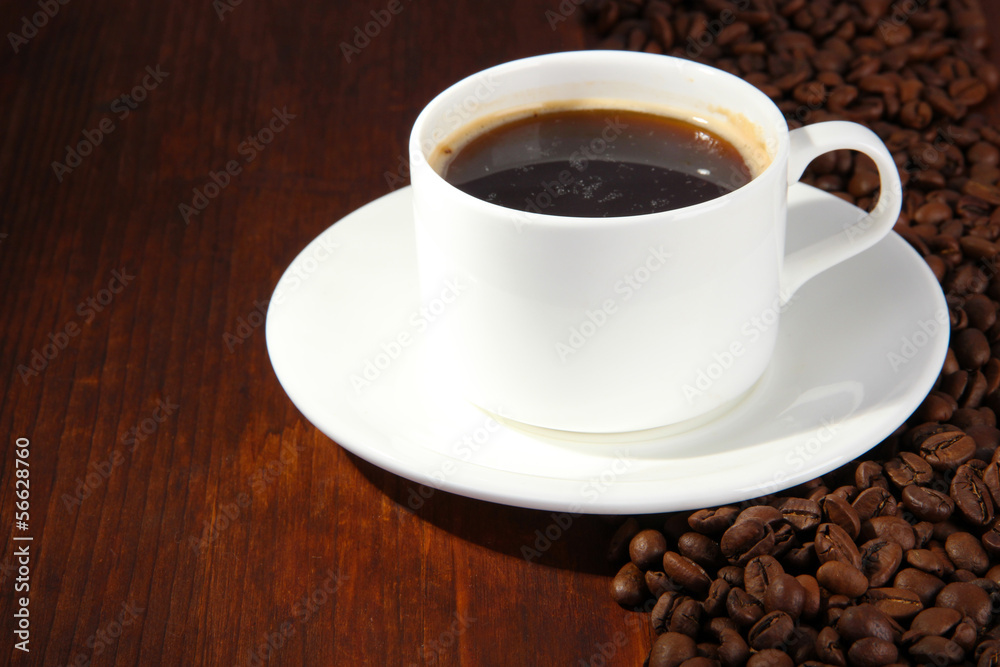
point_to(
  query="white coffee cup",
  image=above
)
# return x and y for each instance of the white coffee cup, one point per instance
(607, 325)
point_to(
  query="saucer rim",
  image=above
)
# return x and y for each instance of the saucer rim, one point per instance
(477, 479)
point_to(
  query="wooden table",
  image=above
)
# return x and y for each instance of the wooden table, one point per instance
(182, 511)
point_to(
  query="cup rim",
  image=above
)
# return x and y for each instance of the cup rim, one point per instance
(648, 59)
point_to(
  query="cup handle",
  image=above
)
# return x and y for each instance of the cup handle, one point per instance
(811, 141)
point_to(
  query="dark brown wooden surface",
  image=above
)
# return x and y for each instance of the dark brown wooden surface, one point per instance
(175, 549)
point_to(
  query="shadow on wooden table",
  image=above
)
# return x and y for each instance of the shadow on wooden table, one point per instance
(550, 539)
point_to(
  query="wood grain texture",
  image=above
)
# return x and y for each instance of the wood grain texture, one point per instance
(209, 556)
(183, 511)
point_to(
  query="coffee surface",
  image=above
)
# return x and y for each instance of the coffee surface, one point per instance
(596, 163)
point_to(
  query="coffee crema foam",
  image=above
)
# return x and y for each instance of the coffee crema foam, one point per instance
(579, 158)
(745, 135)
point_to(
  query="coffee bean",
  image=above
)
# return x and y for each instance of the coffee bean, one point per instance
(702, 549)
(713, 521)
(873, 502)
(892, 528)
(659, 583)
(733, 651)
(646, 549)
(838, 511)
(897, 603)
(947, 449)
(928, 504)
(971, 348)
(971, 495)
(866, 620)
(715, 601)
(759, 573)
(770, 657)
(842, 579)
(937, 651)
(771, 631)
(872, 652)
(908, 468)
(746, 540)
(829, 647)
(967, 598)
(671, 649)
(800, 513)
(743, 608)
(833, 543)
(686, 572)
(924, 585)
(686, 618)
(628, 588)
(929, 561)
(663, 610)
(732, 575)
(813, 599)
(967, 552)
(786, 594)
(880, 559)
(933, 622)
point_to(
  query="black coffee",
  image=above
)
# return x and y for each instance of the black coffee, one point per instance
(596, 163)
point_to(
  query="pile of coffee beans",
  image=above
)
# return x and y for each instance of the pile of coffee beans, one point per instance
(895, 558)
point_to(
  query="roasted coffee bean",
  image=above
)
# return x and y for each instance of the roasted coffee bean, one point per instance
(965, 635)
(686, 618)
(746, 540)
(686, 572)
(873, 502)
(972, 497)
(663, 610)
(759, 573)
(933, 622)
(971, 347)
(892, 528)
(700, 660)
(928, 504)
(841, 578)
(907, 469)
(715, 602)
(786, 594)
(700, 548)
(829, 647)
(924, 585)
(897, 603)
(937, 651)
(767, 515)
(865, 620)
(838, 511)
(967, 552)
(813, 598)
(659, 583)
(969, 599)
(947, 450)
(872, 652)
(929, 561)
(733, 650)
(743, 608)
(671, 649)
(628, 588)
(770, 657)
(801, 514)
(733, 575)
(833, 543)
(771, 631)
(647, 548)
(880, 559)
(713, 521)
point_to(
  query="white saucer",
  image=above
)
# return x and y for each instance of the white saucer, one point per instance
(853, 362)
